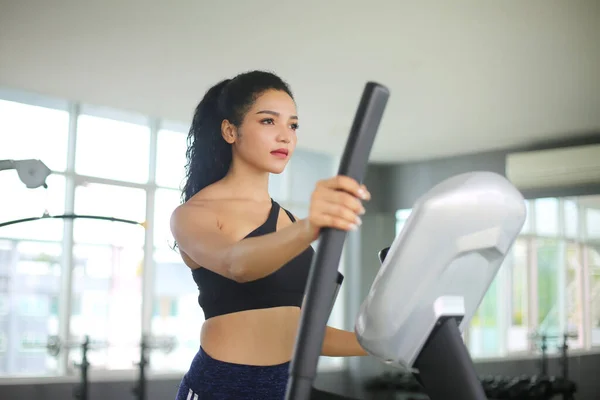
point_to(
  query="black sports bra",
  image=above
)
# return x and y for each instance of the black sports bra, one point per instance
(284, 287)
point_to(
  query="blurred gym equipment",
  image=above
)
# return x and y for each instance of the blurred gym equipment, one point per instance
(33, 173)
(72, 216)
(421, 300)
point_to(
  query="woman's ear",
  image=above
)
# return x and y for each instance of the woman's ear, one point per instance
(228, 131)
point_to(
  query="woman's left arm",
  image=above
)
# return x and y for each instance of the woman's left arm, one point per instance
(340, 343)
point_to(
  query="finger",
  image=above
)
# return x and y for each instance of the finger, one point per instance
(347, 184)
(342, 198)
(363, 187)
(338, 210)
(331, 221)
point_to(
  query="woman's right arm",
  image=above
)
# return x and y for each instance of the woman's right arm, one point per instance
(335, 203)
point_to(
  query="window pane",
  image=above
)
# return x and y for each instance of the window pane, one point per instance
(29, 274)
(26, 203)
(107, 301)
(108, 262)
(484, 331)
(34, 132)
(29, 291)
(278, 186)
(550, 258)
(571, 219)
(112, 149)
(527, 228)
(306, 169)
(401, 218)
(593, 260)
(593, 223)
(299, 211)
(170, 158)
(518, 330)
(574, 294)
(176, 310)
(546, 216)
(109, 201)
(165, 201)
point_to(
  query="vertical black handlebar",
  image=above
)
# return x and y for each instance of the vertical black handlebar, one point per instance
(322, 277)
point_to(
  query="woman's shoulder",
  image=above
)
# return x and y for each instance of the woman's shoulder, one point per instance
(215, 204)
(204, 205)
(207, 199)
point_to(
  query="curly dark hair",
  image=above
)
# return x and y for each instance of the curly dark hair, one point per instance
(208, 154)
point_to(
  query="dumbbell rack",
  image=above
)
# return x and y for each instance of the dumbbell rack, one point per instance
(55, 346)
(81, 391)
(147, 344)
(539, 387)
(139, 390)
(566, 387)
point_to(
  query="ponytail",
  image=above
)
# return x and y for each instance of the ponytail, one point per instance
(208, 154)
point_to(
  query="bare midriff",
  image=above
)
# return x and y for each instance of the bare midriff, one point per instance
(255, 337)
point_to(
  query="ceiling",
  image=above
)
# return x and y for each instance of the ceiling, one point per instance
(465, 76)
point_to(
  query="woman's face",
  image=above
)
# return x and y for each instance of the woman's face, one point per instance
(266, 139)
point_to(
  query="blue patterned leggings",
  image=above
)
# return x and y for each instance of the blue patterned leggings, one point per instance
(213, 379)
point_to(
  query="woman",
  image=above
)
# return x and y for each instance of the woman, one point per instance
(249, 257)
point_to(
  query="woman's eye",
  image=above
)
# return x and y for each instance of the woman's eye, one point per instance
(271, 121)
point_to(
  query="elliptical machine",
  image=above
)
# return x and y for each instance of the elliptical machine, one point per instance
(423, 298)
(433, 276)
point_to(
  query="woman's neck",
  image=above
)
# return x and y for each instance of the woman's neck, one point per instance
(246, 182)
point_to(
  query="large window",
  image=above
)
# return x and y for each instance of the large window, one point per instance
(30, 252)
(547, 282)
(519, 296)
(593, 261)
(28, 131)
(574, 284)
(592, 222)
(571, 219)
(18, 202)
(549, 255)
(108, 260)
(170, 158)
(176, 311)
(278, 186)
(305, 170)
(485, 329)
(29, 290)
(547, 217)
(401, 218)
(111, 149)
